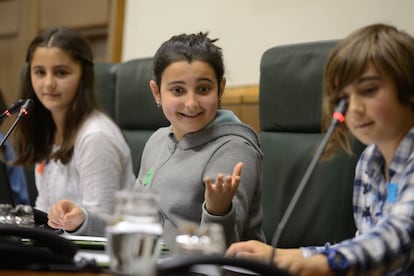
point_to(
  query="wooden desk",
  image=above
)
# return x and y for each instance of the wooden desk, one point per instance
(48, 273)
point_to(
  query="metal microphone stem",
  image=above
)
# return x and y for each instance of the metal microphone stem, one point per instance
(9, 131)
(342, 108)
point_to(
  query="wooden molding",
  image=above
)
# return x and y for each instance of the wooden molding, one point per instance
(244, 102)
(9, 14)
(115, 32)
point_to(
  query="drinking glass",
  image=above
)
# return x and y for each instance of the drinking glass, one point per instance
(207, 238)
(20, 215)
(204, 239)
(134, 233)
(23, 215)
(6, 214)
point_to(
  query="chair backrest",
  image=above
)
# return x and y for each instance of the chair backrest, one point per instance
(290, 102)
(136, 112)
(105, 76)
(124, 94)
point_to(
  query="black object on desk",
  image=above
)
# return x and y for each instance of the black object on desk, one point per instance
(32, 248)
(6, 194)
(28, 247)
(182, 265)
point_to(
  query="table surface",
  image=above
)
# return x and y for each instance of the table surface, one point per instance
(47, 273)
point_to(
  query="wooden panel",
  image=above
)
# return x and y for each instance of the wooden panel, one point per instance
(116, 30)
(235, 108)
(9, 14)
(244, 102)
(231, 100)
(13, 47)
(250, 115)
(74, 13)
(21, 20)
(98, 38)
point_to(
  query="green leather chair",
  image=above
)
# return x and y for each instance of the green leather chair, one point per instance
(290, 98)
(105, 82)
(124, 94)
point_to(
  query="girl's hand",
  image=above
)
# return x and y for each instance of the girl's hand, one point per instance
(252, 249)
(65, 215)
(290, 260)
(218, 195)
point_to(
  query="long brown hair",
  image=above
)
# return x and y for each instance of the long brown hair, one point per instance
(35, 134)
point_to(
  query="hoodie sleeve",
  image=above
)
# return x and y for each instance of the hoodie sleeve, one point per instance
(244, 220)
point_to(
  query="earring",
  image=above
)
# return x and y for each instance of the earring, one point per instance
(158, 105)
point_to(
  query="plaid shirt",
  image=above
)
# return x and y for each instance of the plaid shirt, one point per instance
(383, 212)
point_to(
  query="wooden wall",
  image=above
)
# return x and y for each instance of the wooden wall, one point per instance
(101, 21)
(244, 102)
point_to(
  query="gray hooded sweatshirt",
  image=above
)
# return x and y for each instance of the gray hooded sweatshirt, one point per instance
(176, 172)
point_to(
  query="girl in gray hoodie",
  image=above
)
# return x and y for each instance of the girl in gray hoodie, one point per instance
(206, 166)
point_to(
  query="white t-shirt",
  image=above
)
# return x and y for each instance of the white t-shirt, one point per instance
(101, 165)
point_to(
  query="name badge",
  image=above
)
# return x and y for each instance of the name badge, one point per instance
(392, 192)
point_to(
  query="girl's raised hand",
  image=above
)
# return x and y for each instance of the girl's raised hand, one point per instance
(218, 195)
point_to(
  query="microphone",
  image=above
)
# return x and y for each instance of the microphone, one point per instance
(24, 110)
(26, 107)
(13, 108)
(338, 116)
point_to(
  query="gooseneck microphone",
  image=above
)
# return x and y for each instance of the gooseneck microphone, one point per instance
(25, 107)
(24, 110)
(13, 108)
(337, 117)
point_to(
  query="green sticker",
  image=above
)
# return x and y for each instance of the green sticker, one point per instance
(148, 178)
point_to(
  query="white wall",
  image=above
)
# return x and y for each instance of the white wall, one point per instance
(246, 28)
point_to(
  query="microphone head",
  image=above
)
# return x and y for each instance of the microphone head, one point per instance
(340, 111)
(15, 106)
(342, 106)
(26, 107)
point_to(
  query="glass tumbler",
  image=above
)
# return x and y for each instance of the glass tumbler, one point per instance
(6, 214)
(134, 233)
(24, 216)
(207, 238)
